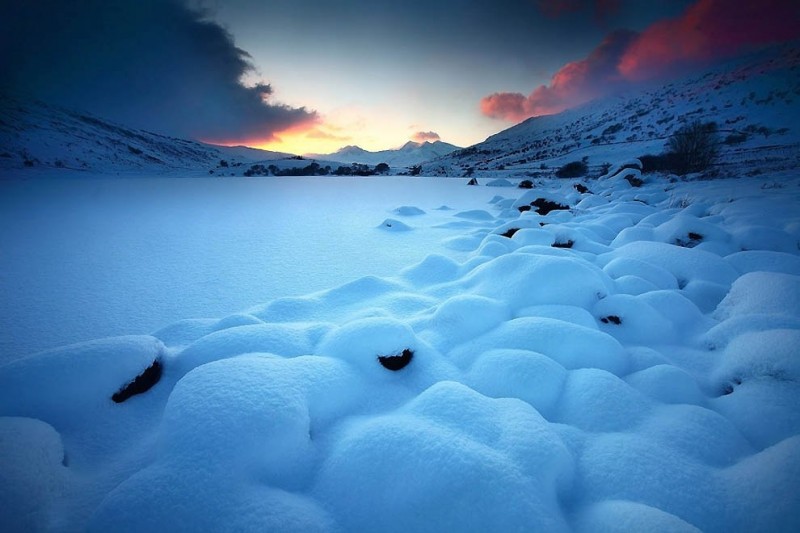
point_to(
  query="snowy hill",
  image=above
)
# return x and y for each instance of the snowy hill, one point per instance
(37, 135)
(246, 153)
(411, 153)
(754, 101)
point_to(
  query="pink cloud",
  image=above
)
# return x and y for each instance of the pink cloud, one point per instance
(509, 106)
(707, 31)
(422, 136)
(574, 84)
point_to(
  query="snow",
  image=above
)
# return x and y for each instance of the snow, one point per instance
(61, 140)
(33, 475)
(132, 255)
(456, 375)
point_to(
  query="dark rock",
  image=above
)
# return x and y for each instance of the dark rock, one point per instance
(545, 206)
(693, 240)
(396, 362)
(634, 181)
(728, 388)
(143, 383)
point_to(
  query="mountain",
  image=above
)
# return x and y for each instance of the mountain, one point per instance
(411, 153)
(348, 154)
(754, 101)
(36, 134)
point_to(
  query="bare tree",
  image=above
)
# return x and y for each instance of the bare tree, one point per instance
(693, 147)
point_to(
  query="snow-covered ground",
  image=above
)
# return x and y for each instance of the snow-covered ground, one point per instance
(88, 258)
(627, 364)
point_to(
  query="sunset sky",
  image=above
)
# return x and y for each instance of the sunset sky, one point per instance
(315, 75)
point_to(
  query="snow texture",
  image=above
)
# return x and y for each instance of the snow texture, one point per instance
(628, 382)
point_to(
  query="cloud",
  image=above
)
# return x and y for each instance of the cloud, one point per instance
(707, 31)
(317, 133)
(575, 83)
(152, 64)
(422, 136)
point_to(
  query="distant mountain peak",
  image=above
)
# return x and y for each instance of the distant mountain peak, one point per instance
(411, 153)
(410, 145)
(350, 148)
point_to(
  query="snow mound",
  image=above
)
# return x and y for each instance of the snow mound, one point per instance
(475, 214)
(391, 224)
(499, 182)
(408, 211)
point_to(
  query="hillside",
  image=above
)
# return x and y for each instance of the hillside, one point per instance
(35, 134)
(754, 102)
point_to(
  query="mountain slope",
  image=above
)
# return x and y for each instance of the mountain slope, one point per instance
(35, 134)
(411, 153)
(755, 102)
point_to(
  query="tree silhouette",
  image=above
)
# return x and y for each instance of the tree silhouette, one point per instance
(693, 147)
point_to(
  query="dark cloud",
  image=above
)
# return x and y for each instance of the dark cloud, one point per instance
(574, 84)
(422, 136)
(152, 64)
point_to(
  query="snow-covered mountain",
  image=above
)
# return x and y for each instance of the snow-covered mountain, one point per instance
(35, 134)
(411, 153)
(754, 101)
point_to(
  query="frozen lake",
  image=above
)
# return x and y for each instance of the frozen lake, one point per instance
(87, 258)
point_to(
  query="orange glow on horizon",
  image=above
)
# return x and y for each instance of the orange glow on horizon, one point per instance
(343, 127)
(299, 140)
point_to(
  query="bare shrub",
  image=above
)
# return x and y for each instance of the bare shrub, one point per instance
(693, 148)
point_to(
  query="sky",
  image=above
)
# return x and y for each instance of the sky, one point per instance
(311, 76)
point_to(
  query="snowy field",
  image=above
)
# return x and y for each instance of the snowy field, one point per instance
(628, 361)
(89, 258)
